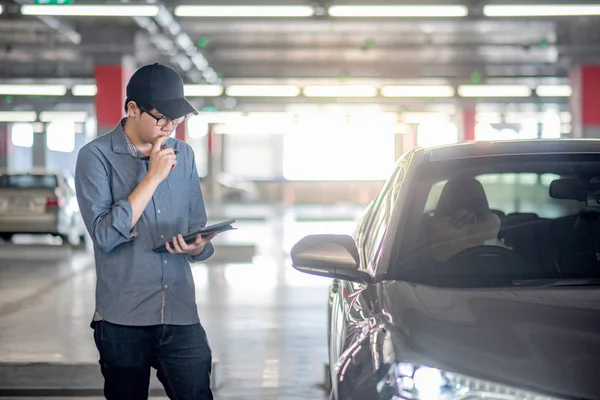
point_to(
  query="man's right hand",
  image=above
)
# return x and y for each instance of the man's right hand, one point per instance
(161, 161)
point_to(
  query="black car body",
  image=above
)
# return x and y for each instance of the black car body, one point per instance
(474, 274)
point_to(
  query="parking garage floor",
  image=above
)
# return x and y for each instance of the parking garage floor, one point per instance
(265, 321)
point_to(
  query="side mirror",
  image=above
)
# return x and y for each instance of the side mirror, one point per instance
(332, 256)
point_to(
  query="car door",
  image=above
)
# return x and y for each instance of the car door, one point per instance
(354, 304)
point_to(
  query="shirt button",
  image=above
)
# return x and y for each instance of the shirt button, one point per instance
(158, 211)
(162, 237)
(166, 286)
(165, 261)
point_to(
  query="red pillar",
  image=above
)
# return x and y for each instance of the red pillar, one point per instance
(584, 102)
(180, 131)
(409, 139)
(210, 141)
(468, 124)
(111, 81)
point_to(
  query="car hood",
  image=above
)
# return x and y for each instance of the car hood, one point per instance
(544, 339)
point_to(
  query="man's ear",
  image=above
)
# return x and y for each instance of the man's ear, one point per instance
(132, 109)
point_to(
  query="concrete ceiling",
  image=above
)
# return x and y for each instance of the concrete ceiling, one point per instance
(314, 49)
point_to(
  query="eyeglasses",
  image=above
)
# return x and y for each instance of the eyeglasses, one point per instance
(163, 121)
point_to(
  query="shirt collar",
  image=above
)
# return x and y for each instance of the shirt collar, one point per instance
(133, 151)
(122, 144)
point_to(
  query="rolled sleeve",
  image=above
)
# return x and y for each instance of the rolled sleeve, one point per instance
(108, 222)
(122, 214)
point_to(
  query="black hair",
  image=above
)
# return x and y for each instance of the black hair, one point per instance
(143, 104)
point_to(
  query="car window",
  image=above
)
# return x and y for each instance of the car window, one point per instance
(376, 203)
(28, 181)
(381, 216)
(508, 193)
(495, 222)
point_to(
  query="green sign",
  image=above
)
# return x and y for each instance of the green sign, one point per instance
(53, 2)
(369, 43)
(202, 42)
(475, 77)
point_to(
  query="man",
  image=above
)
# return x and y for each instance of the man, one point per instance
(137, 189)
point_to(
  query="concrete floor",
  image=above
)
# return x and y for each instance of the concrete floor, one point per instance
(265, 321)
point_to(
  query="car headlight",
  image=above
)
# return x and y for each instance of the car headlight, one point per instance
(416, 382)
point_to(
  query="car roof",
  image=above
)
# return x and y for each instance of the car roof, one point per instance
(512, 147)
(59, 174)
(33, 171)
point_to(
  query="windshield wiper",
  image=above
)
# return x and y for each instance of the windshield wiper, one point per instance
(556, 282)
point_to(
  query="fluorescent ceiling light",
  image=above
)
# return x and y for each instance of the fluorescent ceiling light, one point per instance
(263, 91)
(203, 90)
(1, 8)
(91, 10)
(84, 90)
(417, 91)
(399, 11)
(554, 91)
(200, 62)
(494, 91)
(340, 91)
(18, 116)
(73, 116)
(540, 10)
(243, 11)
(33, 90)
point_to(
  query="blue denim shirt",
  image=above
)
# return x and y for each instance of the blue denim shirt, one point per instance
(136, 286)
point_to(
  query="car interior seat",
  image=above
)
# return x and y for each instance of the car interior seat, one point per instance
(462, 219)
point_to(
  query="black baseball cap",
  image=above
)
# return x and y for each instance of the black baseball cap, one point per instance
(162, 88)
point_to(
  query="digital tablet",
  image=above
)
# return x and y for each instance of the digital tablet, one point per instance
(191, 236)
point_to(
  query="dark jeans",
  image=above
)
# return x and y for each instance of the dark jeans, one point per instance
(180, 354)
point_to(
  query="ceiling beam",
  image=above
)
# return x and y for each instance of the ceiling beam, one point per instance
(85, 69)
(367, 27)
(10, 70)
(275, 104)
(393, 71)
(172, 41)
(66, 30)
(332, 38)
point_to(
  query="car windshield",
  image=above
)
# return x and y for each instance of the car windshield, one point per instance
(28, 181)
(504, 221)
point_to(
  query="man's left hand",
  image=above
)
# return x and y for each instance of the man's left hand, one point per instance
(192, 249)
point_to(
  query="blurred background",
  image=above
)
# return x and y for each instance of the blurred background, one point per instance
(304, 108)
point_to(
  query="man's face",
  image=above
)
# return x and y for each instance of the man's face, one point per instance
(150, 131)
(148, 127)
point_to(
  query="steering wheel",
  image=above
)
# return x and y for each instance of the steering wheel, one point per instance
(472, 253)
(481, 266)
